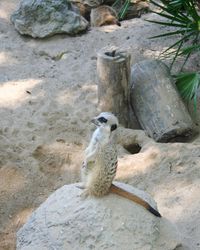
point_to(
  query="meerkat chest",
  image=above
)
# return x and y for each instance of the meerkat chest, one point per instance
(101, 154)
(98, 140)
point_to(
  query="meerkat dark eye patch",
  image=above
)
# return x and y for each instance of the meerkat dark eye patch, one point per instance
(102, 119)
(113, 127)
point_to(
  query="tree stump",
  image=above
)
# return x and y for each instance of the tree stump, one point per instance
(157, 104)
(113, 71)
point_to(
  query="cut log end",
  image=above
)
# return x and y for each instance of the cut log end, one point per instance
(111, 53)
(177, 135)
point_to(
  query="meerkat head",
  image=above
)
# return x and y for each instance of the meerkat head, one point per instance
(106, 118)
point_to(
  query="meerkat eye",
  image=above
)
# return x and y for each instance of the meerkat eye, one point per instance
(113, 127)
(102, 119)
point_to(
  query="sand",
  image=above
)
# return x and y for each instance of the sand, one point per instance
(48, 94)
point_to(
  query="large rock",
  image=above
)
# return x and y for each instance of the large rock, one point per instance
(42, 18)
(65, 221)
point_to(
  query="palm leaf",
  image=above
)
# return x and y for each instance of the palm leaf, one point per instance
(179, 17)
(190, 49)
(124, 9)
(176, 54)
(183, 16)
(169, 34)
(183, 25)
(178, 42)
(188, 84)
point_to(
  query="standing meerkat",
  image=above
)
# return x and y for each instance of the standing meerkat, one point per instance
(100, 164)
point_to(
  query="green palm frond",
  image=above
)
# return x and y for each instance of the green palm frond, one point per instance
(188, 84)
(122, 6)
(189, 49)
(124, 9)
(183, 17)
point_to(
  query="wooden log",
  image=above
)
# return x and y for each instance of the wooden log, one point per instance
(194, 113)
(113, 72)
(157, 104)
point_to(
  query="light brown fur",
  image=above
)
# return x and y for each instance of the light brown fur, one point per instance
(103, 15)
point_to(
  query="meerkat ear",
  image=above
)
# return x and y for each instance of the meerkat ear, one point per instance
(113, 127)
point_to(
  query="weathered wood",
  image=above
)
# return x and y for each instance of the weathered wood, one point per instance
(157, 104)
(113, 71)
(194, 113)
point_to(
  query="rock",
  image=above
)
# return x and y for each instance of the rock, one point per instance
(65, 221)
(42, 18)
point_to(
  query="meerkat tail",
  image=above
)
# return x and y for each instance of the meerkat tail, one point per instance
(121, 192)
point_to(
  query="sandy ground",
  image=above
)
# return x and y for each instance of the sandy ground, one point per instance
(48, 94)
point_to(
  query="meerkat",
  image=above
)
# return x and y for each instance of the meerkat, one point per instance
(100, 163)
(103, 15)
